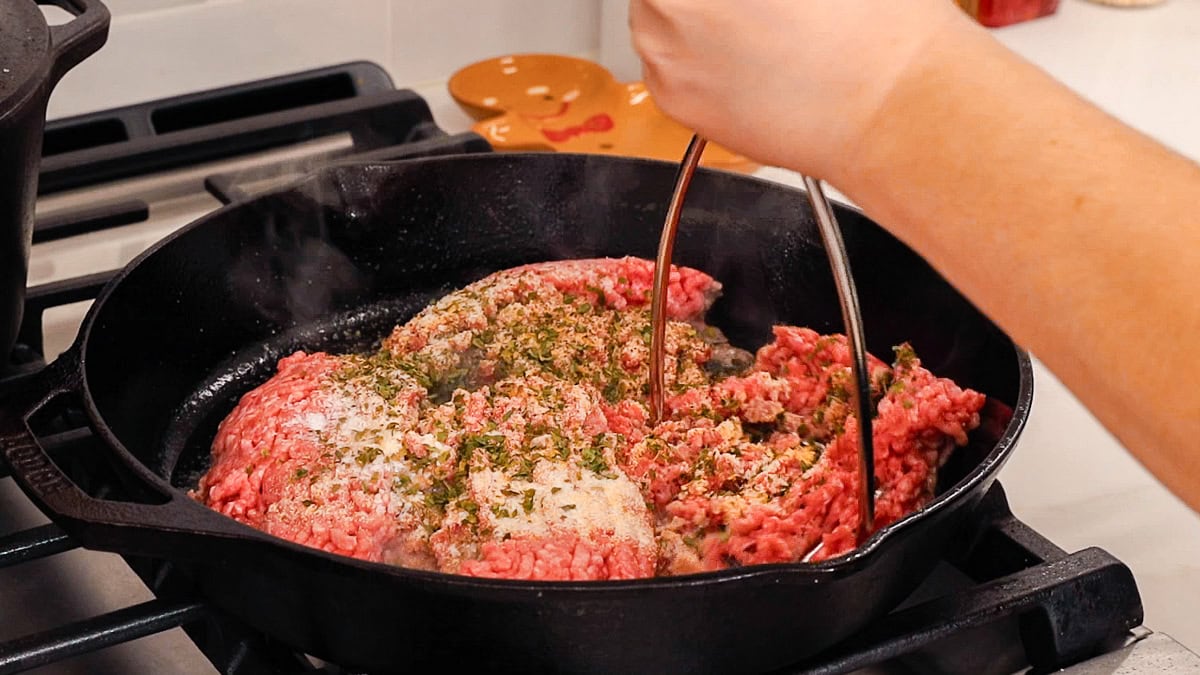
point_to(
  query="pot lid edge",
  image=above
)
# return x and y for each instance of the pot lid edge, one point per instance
(24, 51)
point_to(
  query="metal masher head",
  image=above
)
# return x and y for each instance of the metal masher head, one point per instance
(835, 249)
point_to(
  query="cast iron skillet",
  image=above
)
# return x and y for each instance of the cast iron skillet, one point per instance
(336, 260)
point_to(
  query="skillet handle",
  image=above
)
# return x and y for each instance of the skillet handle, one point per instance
(167, 529)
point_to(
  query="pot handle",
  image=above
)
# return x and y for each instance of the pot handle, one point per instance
(75, 40)
(158, 530)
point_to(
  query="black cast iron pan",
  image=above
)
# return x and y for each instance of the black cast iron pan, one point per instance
(335, 261)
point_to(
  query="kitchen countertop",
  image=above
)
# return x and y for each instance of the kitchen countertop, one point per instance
(1069, 478)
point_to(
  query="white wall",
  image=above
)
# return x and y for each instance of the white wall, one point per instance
(160, 48)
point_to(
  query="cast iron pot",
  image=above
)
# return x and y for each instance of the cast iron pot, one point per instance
(335, 261)
(33, 56)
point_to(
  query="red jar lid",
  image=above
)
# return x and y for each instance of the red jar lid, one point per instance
(996, 13)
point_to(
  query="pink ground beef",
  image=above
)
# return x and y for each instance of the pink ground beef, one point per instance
(503, 432)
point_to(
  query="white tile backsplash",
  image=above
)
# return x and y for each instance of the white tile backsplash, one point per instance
(130, 7)
(160, 48)
(202, 45)
(433, 39)
(616, 48)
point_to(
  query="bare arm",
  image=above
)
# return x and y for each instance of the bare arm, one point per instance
(1077, 234)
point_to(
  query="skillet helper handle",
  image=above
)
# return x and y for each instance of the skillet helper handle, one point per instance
(72, 42)
(155, 530)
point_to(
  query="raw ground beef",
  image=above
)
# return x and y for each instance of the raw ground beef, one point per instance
(503, 431)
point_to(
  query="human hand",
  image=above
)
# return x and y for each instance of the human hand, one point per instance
(793, 83)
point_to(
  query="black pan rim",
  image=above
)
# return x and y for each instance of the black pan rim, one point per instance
(816, 572)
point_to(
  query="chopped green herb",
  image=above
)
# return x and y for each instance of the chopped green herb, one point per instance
(525, 470)
(492, 445)
(906, 357)
(593, 456)
(367, 455)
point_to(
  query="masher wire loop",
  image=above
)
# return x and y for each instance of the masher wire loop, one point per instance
(835, 249)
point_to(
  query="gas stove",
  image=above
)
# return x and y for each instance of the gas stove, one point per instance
(114, 182)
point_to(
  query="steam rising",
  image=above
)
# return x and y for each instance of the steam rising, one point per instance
(296, 274)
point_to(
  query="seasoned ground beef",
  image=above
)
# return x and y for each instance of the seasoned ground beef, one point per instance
(503, 432)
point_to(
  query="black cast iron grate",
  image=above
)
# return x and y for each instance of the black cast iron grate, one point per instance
(1013, 600)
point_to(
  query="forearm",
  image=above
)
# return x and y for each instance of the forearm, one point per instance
(1079, 235)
